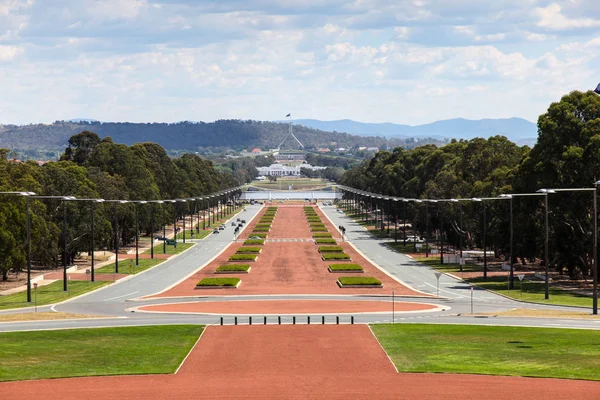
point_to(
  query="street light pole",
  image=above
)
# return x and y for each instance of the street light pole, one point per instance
(546, 260)
(64, 231)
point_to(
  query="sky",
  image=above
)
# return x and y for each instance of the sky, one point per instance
(401, 61)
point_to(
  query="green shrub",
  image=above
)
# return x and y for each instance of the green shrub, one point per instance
(234, 267)
(322, 235)
(345, 267)
(330, 249)
(260, 235)
(359, 280)
(318, 229)
(335, 256)
(218, 282)
(317, 225)
(243, 257)
(325, 241)
(262, 226)
(243, 250)
(266, 221)
(254, 241)
(314, 219)
(260, 229)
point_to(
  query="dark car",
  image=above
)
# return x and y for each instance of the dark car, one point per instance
(243, 221)
(233, 223)
(160, 238)
(215, 230)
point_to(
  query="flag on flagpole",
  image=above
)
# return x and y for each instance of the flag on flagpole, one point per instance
(291, 114)
(597, 89)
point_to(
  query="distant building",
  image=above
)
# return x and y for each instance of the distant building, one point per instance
(285, 170)
(256, 151)
(373, 149)
(323, 150)
(361, 148)
(289, 156)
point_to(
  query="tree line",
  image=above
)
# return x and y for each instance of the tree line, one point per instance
(566, 155)
(90, 168)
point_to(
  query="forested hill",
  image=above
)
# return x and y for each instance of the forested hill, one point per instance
(234, 134)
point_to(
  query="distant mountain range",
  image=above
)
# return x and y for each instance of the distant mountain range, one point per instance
(517, 130)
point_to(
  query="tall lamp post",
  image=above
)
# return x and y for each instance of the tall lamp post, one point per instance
(594, 235)
(92, 239)
(546, 235)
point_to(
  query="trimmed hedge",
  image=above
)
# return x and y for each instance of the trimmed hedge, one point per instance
(325, 241)
(317, 225)
(243, 257)
(245, 250)
(218, 282)
(322, 235)
(335, 256)
(254, 241)
(318, 229)
(234, 267)
(258, 234)
(331, 249)
(260, 229)
(345, 267)
(259, 225)
(359, 280)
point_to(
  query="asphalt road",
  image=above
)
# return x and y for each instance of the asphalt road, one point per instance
(115, 304)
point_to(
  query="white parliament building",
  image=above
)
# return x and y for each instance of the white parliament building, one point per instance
(285, 170)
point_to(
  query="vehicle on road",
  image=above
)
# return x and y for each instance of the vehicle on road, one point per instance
(255, 238)
(243, 221)
(215, 231)
(159, 238)
(233, 223)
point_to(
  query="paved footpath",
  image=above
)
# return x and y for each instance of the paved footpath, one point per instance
(296, 362)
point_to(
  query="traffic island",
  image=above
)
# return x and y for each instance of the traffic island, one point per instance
(234, 269)
(354, 268)
(359, 282)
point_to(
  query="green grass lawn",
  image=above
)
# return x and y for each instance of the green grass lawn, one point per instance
(48, 294)
(128, 266)
(100, 351)
(158, 249)
(492, 350)
(534, 292)
(200, 235)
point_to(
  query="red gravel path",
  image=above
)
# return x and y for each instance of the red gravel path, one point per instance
(296, 362)
(280, 307)
(289, 267)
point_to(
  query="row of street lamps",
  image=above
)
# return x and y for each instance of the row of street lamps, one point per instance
(227, 194)
(510, 196)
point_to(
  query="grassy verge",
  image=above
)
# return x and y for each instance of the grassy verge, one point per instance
(128, 266)
(492, 350)
(325, 241)
(101, 351)
(158, 249)
(48, 294)
(218, 282)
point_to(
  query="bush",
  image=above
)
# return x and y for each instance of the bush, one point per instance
(330, 249)
(254, 241)
(322, 235)
(260, 235)
(234, 267)
(359, 280)
(345, 267)
(243, 257)
(335, 256)
(325, 241)
(218, 282)
(243, 250)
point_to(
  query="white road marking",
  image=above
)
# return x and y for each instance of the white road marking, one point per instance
(118, 297)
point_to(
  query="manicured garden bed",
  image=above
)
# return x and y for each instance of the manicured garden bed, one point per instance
(243, 257)
(234, 268)
(246, 250)
(258, 234)
(260, 226)
(345, 268)
(260, 230)
(318, 229)
(362, 282)
(331, 249)
(218, 283)
(325, 241)
(254, 242)
(322, 235)
(335, 256)
(317, 225)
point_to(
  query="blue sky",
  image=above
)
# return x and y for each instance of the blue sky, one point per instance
(403, 61)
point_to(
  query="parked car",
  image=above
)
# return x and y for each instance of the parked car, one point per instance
(160, 238)
(215, 231)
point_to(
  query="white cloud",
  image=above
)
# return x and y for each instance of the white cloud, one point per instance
(551, 17)
(9, 53)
